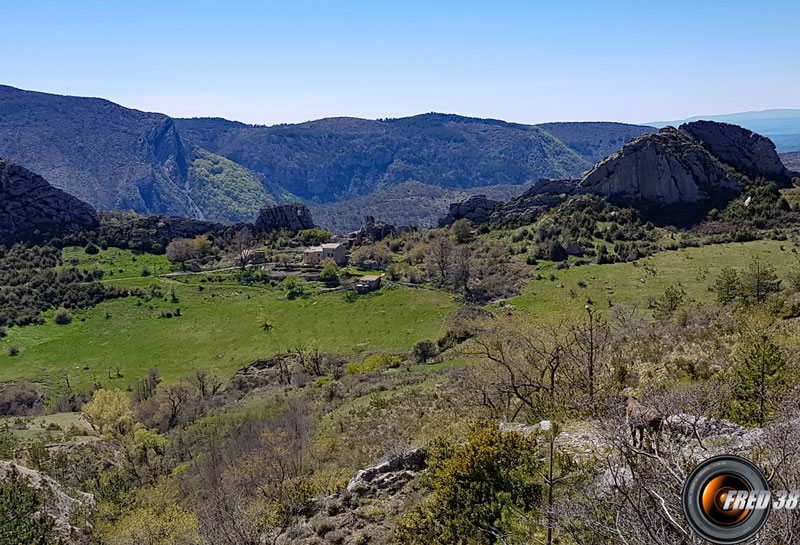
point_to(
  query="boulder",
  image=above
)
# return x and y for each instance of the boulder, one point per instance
(292, 217)
(32, 209)
(744, 150)
(399, 469)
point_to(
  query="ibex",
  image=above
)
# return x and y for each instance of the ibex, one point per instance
(641, 418)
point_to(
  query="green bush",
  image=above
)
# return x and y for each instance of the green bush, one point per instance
(315, 235)
(62, 317)
(330, 272)
(373, 363)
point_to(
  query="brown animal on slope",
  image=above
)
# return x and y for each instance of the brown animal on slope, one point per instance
(641, 418)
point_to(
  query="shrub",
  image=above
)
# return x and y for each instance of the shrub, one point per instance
(322, 381)
(373, 363)
(91, 249)
(62, 317)
(3, 332)
(13, 350)
(315, 235)
(330, 272)
(423, 351)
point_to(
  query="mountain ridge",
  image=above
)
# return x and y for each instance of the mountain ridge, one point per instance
(115, 157)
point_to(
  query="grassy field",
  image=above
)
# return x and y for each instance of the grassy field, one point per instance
(221, 327)
(694, 268)
(53, 429)
(118, 264)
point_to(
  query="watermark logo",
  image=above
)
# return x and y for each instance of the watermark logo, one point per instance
(726, 500)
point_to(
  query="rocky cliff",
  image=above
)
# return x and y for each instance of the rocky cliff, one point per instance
(476, 209)
(744, 150)
(664, 168)
(118, 158)
(674, 176)
(30, 208)
(292, 217)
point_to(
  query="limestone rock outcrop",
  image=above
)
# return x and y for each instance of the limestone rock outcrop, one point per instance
(61, 502)
(376, 230)
(744, 150)
(674, 175)
(32, 209)
(476, 209)
(399, 469)
(664, 168)
(293, 217)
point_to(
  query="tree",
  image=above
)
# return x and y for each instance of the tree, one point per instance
(552, 251)
(669, 303)
(91, 249)
(242, 244)
(727, 285)
(154, 519)
(587, 343)
(482, 491)
(21, 516)
(177, 395)
(330, 272)
(440, 250)
(462, 230)
(181, 250)
(294, 286)
(462, 270)
(762, 374)
(314, 236)
(759, 280)
(423, 351)
(207, 384)
(109, 413)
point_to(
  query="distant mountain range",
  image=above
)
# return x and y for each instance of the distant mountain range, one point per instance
(400, 170)
(410, 203)
(336, 159)
(780, 126)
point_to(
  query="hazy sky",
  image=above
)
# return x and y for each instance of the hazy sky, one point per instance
(294, 60)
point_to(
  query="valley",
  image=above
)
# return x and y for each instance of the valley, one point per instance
(347, 379)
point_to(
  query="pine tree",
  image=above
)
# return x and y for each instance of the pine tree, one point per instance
(727, 285)
(762, 373)
(19, 505)
(759, 280)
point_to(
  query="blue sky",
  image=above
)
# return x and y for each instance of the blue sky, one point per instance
(526, 61)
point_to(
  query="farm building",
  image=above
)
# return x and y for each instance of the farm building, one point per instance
(315, 255)
(370, 282)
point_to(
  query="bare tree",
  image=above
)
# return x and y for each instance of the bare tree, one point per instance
(181, 250)
(440, 250)
(242, 245)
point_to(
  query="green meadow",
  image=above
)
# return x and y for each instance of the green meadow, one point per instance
(692, 269)
(221, 327)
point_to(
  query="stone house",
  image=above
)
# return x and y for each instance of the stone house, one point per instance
(368, 283)
(315, 255)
